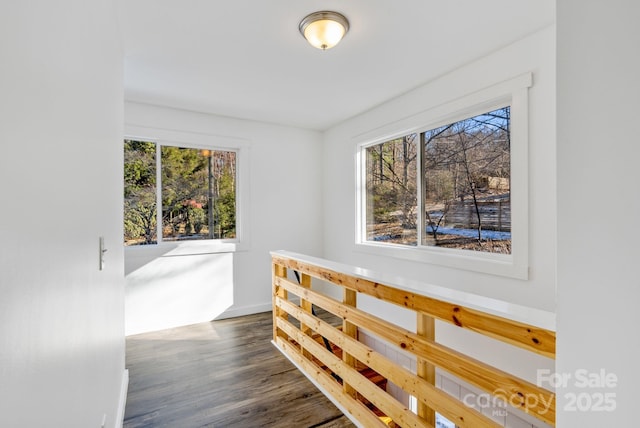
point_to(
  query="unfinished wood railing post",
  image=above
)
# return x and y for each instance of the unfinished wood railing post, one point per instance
(305, 281)
(278, 270)
(349, 299)
(426, 328)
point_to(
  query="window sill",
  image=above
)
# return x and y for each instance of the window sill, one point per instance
(189, 248)
(493, 264)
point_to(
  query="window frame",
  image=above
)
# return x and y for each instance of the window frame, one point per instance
(512, 93)
(164, 137)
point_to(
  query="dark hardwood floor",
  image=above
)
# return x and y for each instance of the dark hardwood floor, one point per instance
(220, 374)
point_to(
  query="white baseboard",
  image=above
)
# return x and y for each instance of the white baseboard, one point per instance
(122, 402)
(245, 310)
(251, 309)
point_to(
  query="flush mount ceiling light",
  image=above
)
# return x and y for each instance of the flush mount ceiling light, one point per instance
(325, 29)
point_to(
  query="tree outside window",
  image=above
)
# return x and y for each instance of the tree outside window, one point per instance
(197, 193)
(465, 188)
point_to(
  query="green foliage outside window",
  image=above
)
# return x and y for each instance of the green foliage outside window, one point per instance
(140, 222)
(198, 193)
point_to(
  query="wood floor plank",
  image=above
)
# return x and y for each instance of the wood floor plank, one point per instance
(220, 374)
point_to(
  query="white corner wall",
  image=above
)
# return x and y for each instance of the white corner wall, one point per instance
(285, 212)
(535, 54)
(61, 114)
(598, 210)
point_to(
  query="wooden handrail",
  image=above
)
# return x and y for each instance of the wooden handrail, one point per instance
(361, 400)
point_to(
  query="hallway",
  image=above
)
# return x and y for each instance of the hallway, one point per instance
(220, 374)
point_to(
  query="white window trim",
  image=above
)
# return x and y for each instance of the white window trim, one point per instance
(513, 92)
(175, 138)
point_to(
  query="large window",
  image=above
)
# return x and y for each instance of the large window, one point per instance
(463, 198)
(174, 193)
(448, 185)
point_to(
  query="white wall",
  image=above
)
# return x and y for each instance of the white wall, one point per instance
(285, 212)
(61, 114)
(534, 54)
(598, 208)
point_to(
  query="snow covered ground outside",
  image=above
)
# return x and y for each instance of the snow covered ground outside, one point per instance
(471, 233)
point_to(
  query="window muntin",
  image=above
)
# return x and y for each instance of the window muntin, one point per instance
(464, 194)
(197, 196)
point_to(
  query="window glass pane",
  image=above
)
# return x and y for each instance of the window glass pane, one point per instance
(139, 193)
(467, 184)
(198, 194)
(391, 191)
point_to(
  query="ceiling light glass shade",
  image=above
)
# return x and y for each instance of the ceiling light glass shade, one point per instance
(324, 30)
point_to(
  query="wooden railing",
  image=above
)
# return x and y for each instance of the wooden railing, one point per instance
(343, 370)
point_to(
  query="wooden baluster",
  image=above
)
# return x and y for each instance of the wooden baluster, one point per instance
(350, 299)
(427, 329)
(278, 271)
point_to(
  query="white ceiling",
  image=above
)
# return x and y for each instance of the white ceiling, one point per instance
(246, 58)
